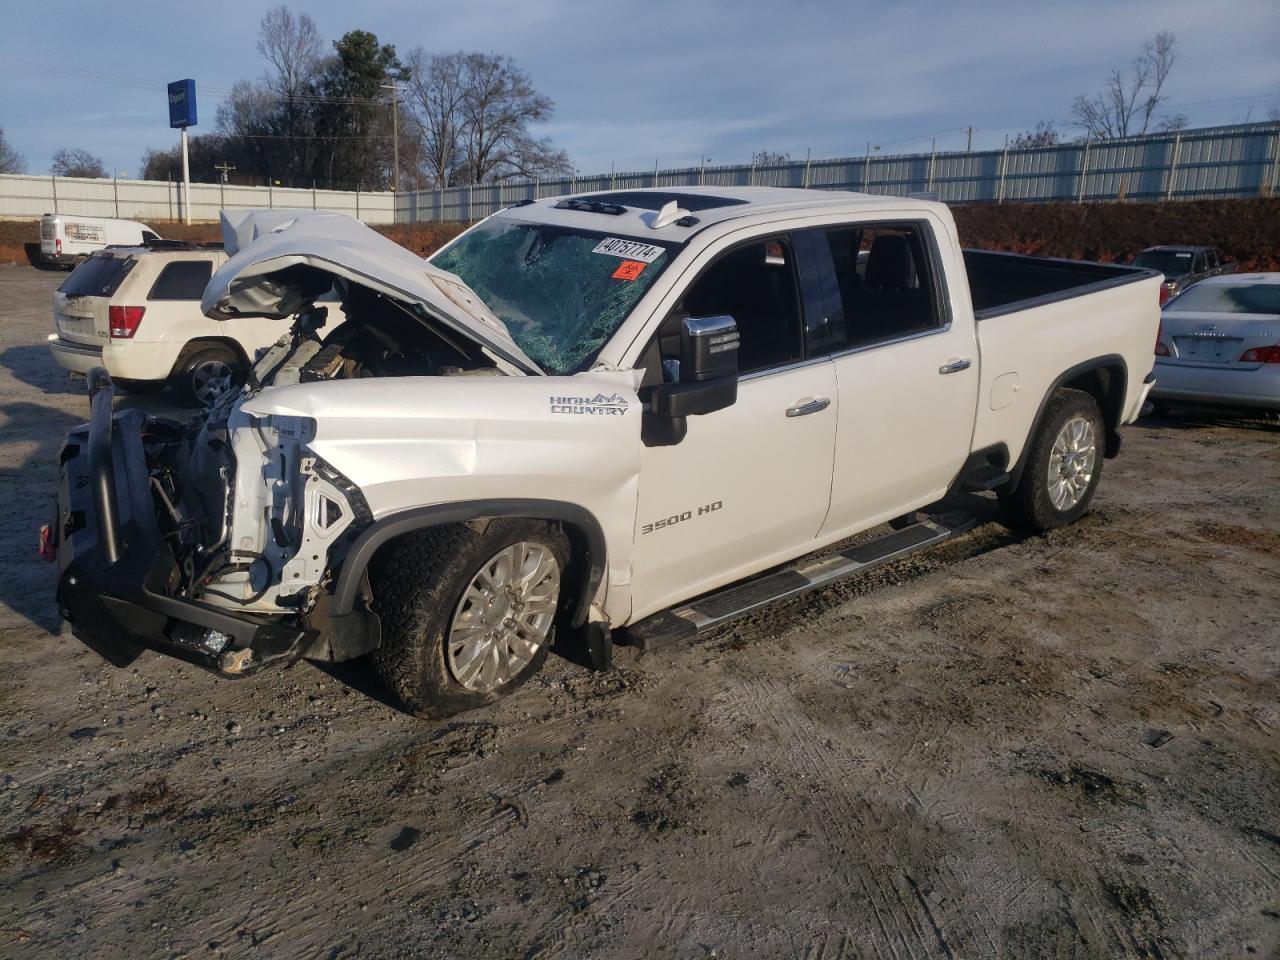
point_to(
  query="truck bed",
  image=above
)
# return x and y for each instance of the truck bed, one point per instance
(1040, 320)
(1001, 283)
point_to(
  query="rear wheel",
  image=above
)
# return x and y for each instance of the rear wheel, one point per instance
(467, 614)
(208, 373)
(1064, 465)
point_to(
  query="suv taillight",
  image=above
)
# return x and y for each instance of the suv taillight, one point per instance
(57, 246)
(1261, 355)
(124, 321)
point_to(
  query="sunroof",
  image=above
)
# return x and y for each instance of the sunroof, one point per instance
(657, 199)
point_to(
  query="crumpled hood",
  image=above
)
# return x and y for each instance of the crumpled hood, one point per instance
(264, 244)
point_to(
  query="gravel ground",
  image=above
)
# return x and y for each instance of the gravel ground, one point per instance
(1048, 747)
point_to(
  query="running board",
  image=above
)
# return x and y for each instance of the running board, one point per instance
(713, 609)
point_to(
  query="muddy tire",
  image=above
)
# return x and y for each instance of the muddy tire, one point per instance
(207, 373)
(445, 648)
(1063, 465)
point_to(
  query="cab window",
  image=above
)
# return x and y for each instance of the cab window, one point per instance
(756, 284)
(886, 281)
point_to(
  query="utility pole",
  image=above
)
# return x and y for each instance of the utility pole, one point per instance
(395, 133)
(969, 146)
(224, 168)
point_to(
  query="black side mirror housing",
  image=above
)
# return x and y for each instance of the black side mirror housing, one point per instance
(708, 348)
(708, 380)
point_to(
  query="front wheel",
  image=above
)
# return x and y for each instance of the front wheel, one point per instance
(467, 614)
(1064, 465)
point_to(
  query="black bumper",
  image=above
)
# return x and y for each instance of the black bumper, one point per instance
(117, 577)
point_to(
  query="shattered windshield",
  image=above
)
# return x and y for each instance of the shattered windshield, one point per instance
(561, 292)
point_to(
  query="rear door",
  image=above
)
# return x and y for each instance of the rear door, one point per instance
(906, 375)
(80, 304)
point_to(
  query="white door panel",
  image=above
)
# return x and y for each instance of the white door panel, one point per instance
(905, 425)
(747, 487)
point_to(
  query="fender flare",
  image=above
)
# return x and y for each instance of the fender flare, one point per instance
(1111, 418)
(347, 588)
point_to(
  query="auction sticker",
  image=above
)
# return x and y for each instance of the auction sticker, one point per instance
(629, 270)
(628, 249)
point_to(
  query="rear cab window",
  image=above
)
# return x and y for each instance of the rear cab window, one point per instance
(182, 280)
(99, 276)
(886, 284)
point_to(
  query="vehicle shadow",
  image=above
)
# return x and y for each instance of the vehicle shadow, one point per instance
(1193, 417)
(33, 364)
(359, 676)
(28, 498)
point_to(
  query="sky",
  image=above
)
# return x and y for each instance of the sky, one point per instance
(653, 81)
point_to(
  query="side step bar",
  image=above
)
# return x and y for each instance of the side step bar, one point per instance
(713, 609)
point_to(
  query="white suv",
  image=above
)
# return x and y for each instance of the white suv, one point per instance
(136, 311)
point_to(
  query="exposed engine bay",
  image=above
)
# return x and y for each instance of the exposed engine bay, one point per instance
(255, 521)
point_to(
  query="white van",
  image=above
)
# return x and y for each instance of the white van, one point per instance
(65, 240)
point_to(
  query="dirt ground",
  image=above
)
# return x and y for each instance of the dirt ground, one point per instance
(1058, 747)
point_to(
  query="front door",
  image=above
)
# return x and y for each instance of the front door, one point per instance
(748, 486)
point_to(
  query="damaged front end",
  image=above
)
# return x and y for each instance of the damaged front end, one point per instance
(153, 553)
(217, 541)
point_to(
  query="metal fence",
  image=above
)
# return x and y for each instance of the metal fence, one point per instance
(1237, 161)
(27, 197)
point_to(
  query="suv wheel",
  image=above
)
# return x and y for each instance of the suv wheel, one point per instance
(208, 373)
(1063, 465)
(467, 615)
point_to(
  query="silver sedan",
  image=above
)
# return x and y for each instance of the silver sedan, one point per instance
(1219, 343)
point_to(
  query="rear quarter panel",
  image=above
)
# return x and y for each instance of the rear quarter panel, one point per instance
(1026, 351)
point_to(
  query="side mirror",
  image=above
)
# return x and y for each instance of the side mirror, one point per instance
(708, 379)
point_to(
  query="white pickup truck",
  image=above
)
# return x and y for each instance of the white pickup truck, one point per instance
(598, 412)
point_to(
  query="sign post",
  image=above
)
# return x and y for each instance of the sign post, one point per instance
(182, 114)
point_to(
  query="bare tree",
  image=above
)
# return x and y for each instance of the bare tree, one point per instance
(292, 45)
(11, 161)
(498, 106)
(766, 158)
(75, 162)
(437, 91)
(1044, 135)
(1127, 105)
(474, 111)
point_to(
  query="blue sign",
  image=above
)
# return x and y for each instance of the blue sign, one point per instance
(182, 103)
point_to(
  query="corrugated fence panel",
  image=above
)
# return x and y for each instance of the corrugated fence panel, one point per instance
(1239, 161)
(23, 197)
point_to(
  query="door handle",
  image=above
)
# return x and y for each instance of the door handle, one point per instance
(955, 366)
(809, 406)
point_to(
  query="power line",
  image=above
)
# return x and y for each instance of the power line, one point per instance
(213, 92)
